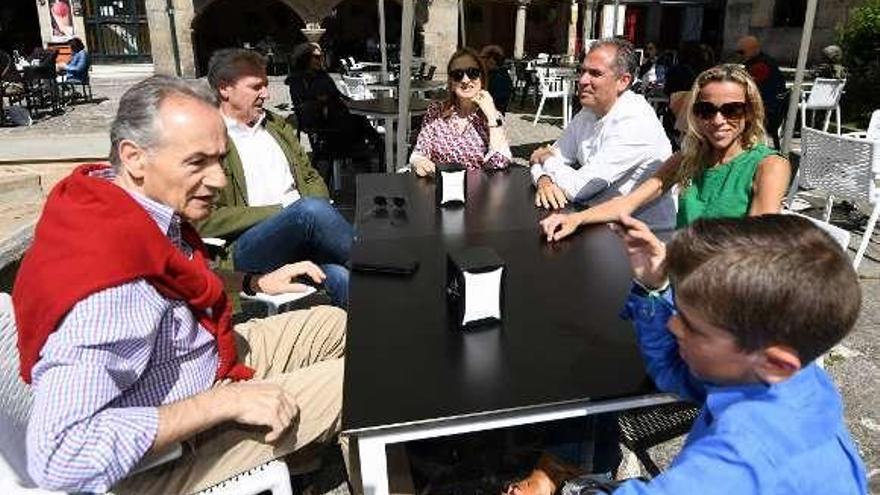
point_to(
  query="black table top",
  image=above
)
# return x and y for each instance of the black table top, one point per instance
(385, 107)
(561, 338)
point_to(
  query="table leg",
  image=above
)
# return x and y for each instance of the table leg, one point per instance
(374, 465)
(390, 135)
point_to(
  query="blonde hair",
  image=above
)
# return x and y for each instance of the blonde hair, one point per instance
(695, 148)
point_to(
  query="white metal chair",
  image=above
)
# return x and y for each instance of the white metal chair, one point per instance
(843, 167)
(552, 84)
(824, 95)
(873, 131)
(356, 87)
(15, 404)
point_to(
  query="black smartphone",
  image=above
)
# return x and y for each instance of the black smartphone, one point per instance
(384, 259)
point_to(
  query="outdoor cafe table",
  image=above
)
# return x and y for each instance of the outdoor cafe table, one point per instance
(386, 108)
(562, 351)
(417, 87)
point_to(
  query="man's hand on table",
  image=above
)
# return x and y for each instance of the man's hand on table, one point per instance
(541, 154)
(281, 281)
(549, 195)
(647, 253)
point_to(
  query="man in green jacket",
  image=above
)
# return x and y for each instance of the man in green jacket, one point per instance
(274, 208)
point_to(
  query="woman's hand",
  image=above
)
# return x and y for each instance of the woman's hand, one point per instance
(423, 167)
(487, 105)
(560, 225)
(647, 253)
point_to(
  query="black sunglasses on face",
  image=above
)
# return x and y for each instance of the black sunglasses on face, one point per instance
(472, 72)
(730, 110)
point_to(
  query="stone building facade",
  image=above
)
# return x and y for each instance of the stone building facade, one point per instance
(178, 35)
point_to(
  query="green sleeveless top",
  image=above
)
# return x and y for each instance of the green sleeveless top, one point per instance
(724, 191)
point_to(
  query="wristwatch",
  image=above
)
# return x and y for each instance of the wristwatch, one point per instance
(498, 121)
(246, 284)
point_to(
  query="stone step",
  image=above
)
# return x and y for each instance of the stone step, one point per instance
(17, 222)
(19, 187)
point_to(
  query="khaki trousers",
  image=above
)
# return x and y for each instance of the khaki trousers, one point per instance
(300, 350)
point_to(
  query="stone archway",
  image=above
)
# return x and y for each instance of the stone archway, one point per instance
(353, 28)
(269, 26)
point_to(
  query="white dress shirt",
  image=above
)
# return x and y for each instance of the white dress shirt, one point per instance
(597, 159)
(266, 169)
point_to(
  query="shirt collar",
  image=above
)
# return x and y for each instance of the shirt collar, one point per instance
(799, 389)
(165, 217)
(237, 128)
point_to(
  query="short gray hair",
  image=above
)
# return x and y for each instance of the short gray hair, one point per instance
(137, 116)
(625, 58)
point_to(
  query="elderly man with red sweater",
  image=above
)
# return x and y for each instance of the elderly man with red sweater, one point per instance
(125, 332)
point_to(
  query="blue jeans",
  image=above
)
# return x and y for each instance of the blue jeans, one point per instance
(308, 229)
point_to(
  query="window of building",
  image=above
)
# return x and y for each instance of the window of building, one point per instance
(789, 13)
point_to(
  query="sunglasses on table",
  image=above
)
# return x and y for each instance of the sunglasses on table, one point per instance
(382, 201)
(472, 72)
(729, 110)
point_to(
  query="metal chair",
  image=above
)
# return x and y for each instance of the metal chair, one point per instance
(641, 429)
(15, 403)
(356, 87)
(843, 167)
(824, 95)
(873, 131)
(554, 85)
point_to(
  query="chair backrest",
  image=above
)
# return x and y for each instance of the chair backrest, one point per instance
(15, 400)
(5, 62)
(430, 74)
(357, 87)
(543, 58)
(825, 93)
(873, 132)
(844, 166)
(842, 236)
(552, 84)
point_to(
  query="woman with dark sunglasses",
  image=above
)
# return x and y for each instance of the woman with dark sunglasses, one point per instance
(466, 128)
(724, 168)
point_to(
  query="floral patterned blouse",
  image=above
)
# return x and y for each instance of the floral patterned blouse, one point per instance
(440, 142)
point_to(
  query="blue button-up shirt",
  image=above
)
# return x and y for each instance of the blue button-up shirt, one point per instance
(748, 439)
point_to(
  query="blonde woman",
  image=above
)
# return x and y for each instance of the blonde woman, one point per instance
(724, 169)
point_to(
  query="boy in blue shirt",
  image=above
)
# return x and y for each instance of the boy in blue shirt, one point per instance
(731, 315)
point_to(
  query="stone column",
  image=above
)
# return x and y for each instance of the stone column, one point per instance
(160, 37)
(520, 34)
(572, 30)
(441, 35)
(184, 14)
(589, 16)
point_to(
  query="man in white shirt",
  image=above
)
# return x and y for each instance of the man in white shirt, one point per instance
(274, 209)
(614, 143)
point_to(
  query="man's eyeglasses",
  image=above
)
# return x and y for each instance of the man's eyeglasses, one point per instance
(472, 72)
(730, 110)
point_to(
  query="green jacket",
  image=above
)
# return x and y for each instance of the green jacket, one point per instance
(232, 215)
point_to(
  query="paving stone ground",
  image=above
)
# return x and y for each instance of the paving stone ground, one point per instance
(855, 364)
